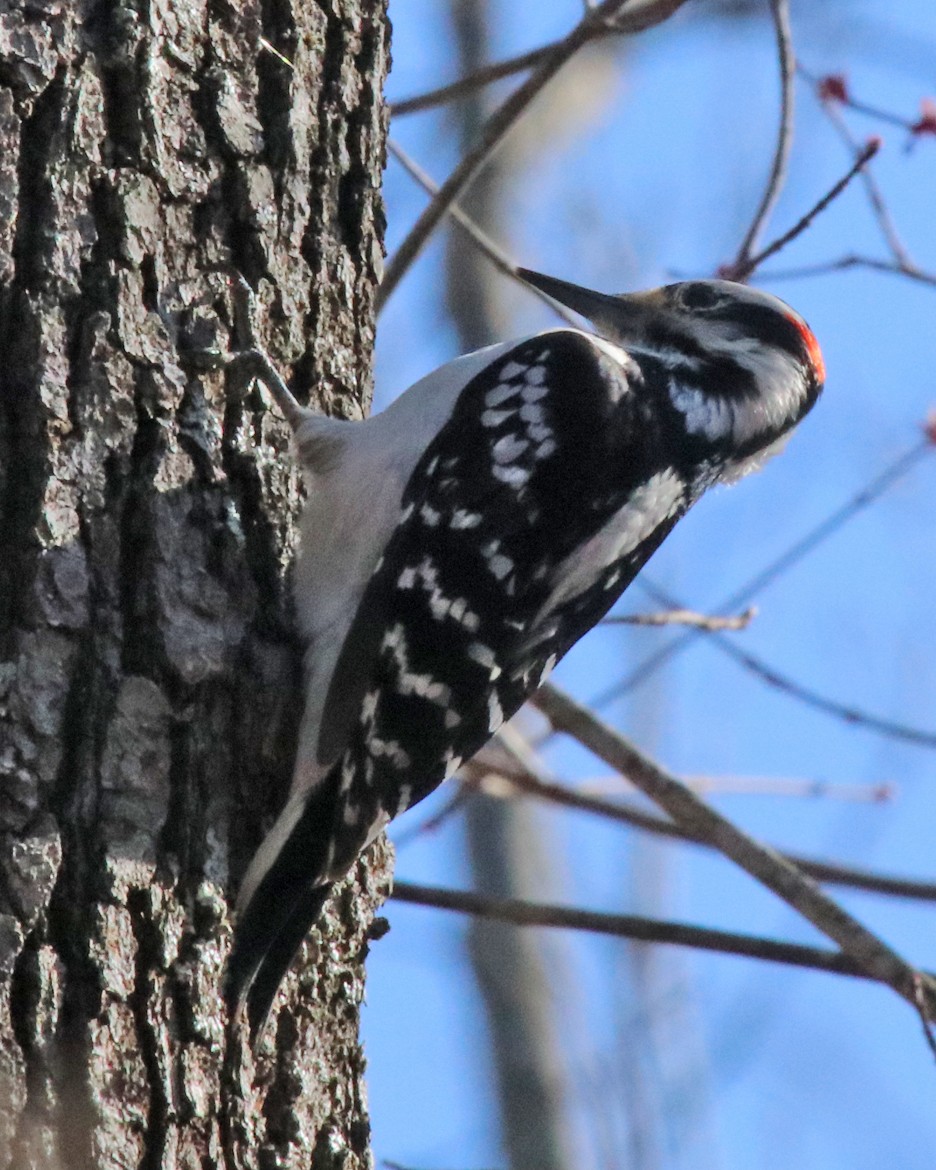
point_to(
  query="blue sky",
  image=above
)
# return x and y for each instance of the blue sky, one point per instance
(790, 1068)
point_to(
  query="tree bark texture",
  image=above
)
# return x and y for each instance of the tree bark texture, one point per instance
(149, 686)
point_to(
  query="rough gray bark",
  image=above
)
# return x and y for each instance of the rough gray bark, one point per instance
(148, 666)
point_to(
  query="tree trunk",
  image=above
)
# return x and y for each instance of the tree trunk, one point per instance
(149, 689)
(508, 850)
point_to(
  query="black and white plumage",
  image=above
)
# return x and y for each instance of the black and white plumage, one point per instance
(457, 545)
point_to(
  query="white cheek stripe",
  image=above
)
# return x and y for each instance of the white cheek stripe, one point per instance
(651, 504)
(704, 415)
(781, 391)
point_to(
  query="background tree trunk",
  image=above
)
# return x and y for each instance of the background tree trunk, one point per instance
(508, 846)
(148, 668)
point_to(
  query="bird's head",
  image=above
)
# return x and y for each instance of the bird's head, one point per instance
(742, 368)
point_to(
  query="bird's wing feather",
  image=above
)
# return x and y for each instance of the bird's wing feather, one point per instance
(481, 584)
(479, 591)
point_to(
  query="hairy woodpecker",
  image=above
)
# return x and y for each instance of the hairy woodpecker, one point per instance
(454, 547)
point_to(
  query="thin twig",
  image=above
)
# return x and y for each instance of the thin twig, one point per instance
(498, 257)
(467, 85)
(889, 728)
(853, 715)
(780, 12)
(833, 87)
(631, 926)
(739, 271)
(835, 874)
(498, 70)
(683, 617)
(768, 867)
(881, 115)
(808, 543)
(534, 784)
(875, 196)
(782, 564)
(844, 262)
(592, 25)
(796, 787)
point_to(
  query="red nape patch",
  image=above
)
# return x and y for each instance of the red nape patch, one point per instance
(812, 347)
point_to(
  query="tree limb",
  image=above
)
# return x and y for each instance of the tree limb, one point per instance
(766, 865)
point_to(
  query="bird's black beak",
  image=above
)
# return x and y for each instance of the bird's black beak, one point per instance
(620, 318)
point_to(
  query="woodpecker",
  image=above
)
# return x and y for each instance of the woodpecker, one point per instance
(454, 547)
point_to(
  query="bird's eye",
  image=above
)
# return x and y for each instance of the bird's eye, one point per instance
(698, 296)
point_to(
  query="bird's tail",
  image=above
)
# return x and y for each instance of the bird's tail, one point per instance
(279, 912)
(262, 953)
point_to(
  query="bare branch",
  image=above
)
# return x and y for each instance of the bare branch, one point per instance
(768, 867)
(595, 23)
(832, 90)
(809, 542)
(683, 617)
(782, 564)
(498, 257)
(864, 879)
(923, 1013)
(853, 715)
(851, 261)
(780, 11)
(633, 926)
(833, 87)
(519, 64)
(467, 85)
(833, 873)
(796, 787)
(876, 199)
(740, 270)
(833, 112)
(793, 786)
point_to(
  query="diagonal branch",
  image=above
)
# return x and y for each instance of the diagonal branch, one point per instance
(523, 913)
(833, 88)
(889, 728)
(830, 99)
(781, 564)
(765, 864)
(479, 237)
(526, 781)
(874, 193)
(594, 24)
(741, 269)
(466, 85)
(497, 71)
